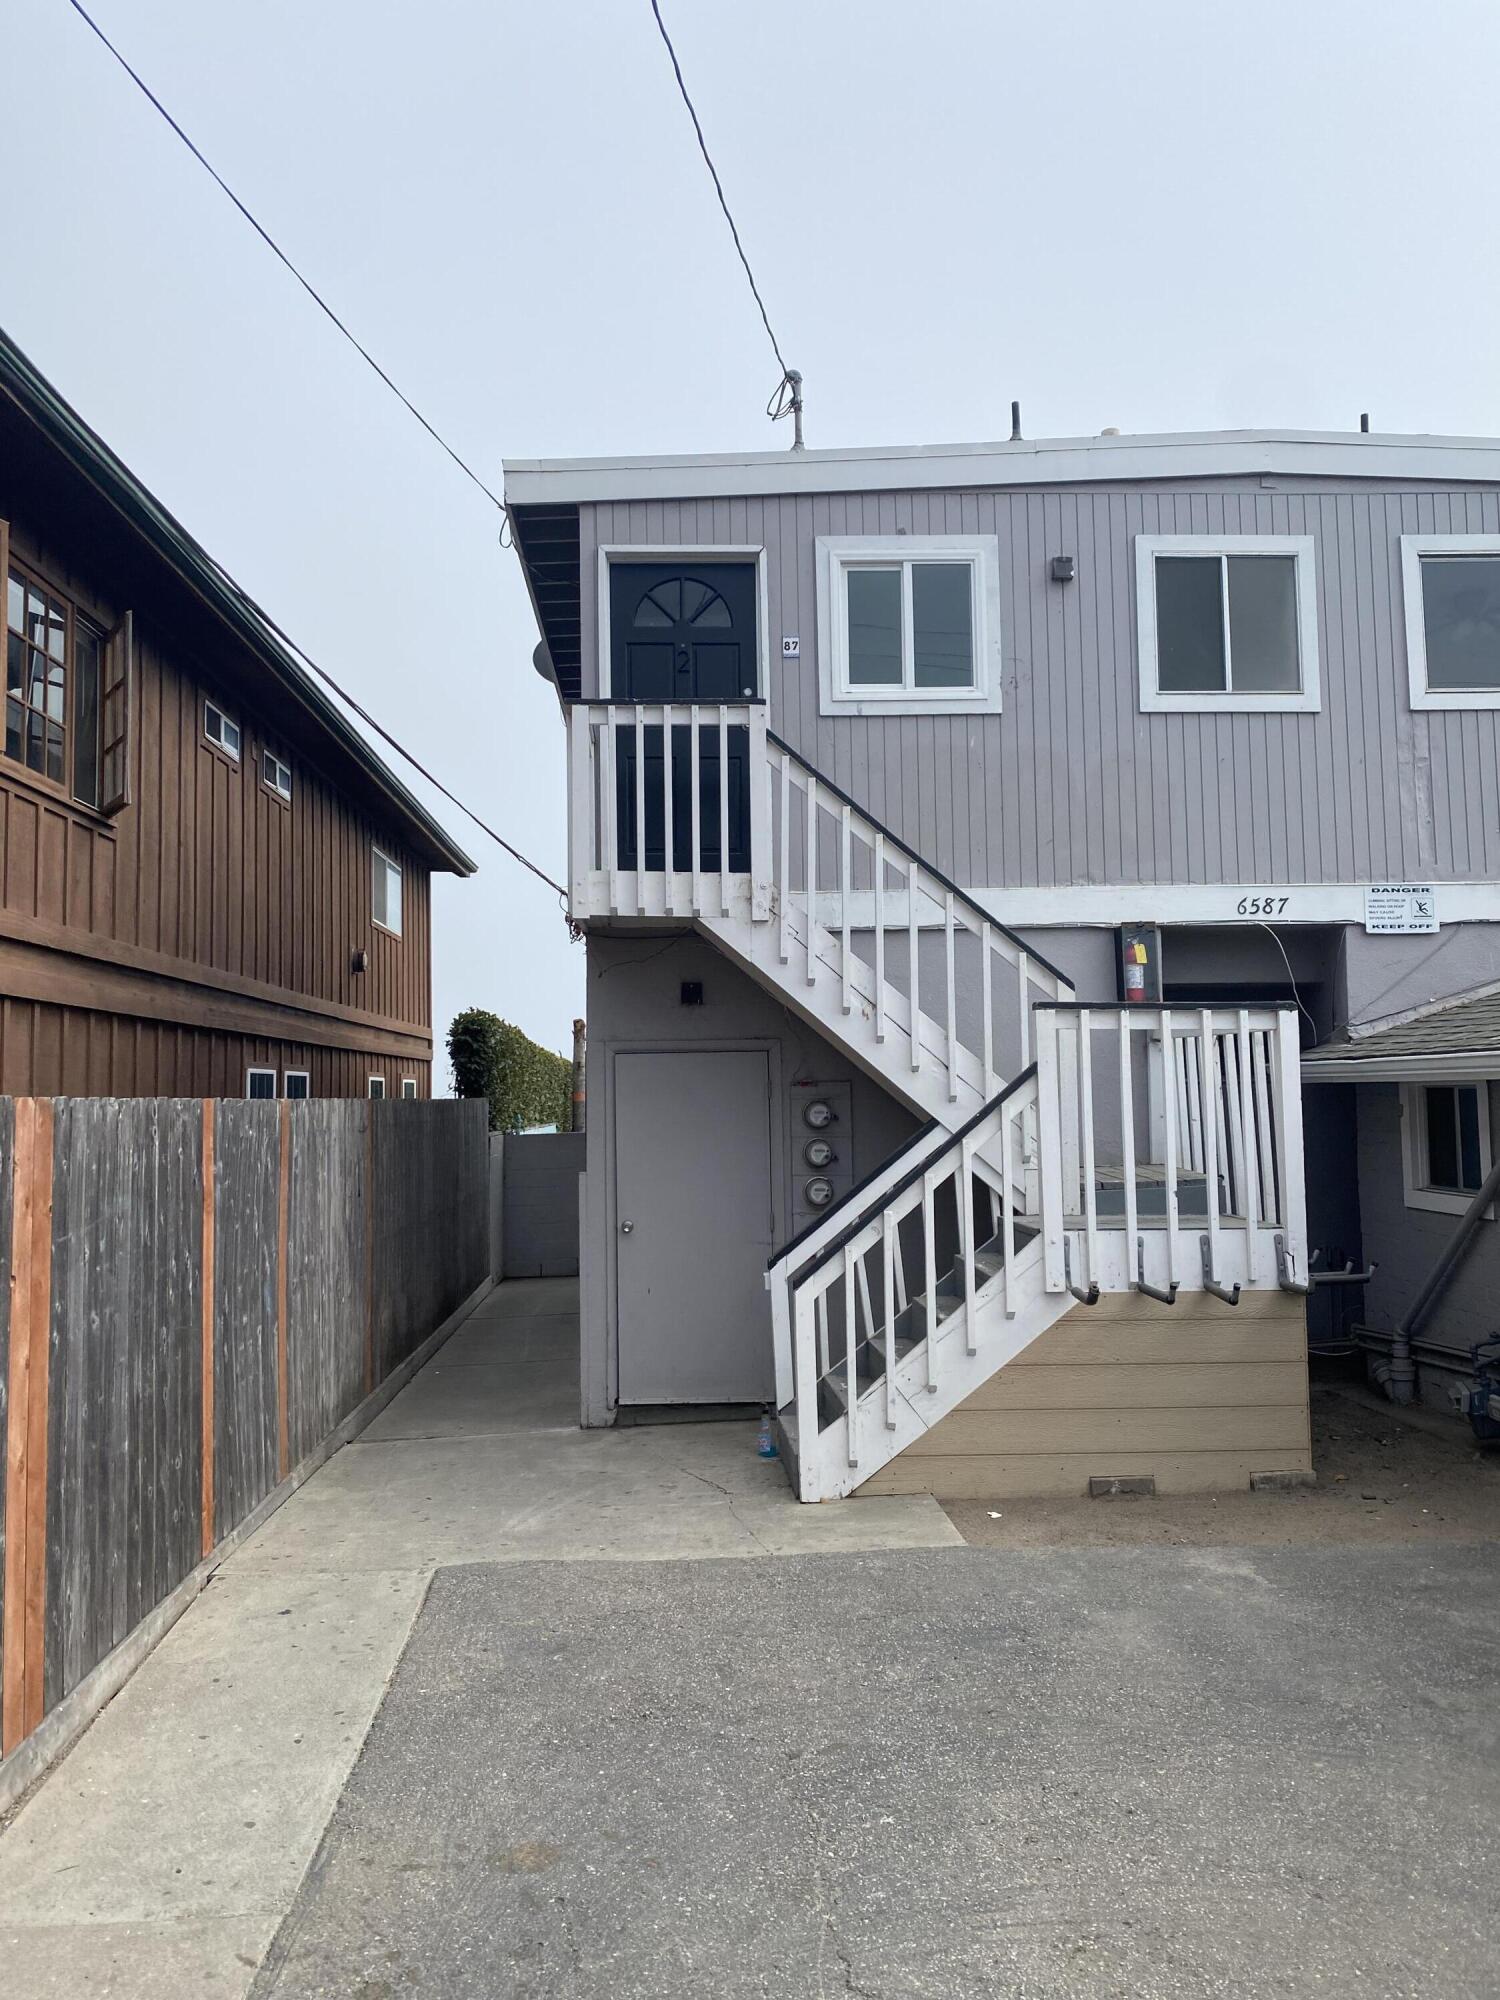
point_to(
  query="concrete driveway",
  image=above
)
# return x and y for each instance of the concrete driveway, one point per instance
(497, 1708)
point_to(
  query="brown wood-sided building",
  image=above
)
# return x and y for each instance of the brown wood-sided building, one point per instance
(210, 885)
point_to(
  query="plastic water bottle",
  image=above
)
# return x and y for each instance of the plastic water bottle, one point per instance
(765, 1437)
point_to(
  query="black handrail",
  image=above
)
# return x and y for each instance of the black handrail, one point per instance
(852, 1229)
(661, 701)
(912, 855)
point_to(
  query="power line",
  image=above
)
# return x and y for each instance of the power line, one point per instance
(266, 237)
(265, 618)
(386, 737)
(790, 379)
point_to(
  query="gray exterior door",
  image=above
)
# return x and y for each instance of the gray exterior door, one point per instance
(693, 1227)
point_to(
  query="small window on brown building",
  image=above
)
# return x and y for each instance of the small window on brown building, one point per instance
(295, 1083)
(385, 891)
(260, 1082)
(377, 1086)
(408, 1086)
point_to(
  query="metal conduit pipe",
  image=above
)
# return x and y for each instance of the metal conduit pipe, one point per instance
(1398, 1375)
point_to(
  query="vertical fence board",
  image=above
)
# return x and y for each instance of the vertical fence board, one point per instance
(124, 1475)
(325, 1269)
(247, 1150)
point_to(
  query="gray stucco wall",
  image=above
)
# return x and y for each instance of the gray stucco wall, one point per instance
(1071, 784)
(634, 1002)
(1406, 1242)
(541, 1204)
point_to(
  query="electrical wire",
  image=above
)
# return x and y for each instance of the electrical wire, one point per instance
(264, 617)
(400, 748)
(271, 244)
(786, 373)
(1290, 979)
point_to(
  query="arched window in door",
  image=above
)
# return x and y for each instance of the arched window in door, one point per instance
(682, 631)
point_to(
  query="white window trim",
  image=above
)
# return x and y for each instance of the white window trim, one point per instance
(837, 553)
(408, 1095)
(379, 853)
(217, 741)
(651, 552)
(1441, 1201)
(286, 1077)
(1307, 701)
(1413, 548)
(261, 1069)
(378, 1096)
(282, 764)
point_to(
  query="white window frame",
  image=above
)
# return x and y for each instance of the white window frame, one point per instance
(408, 1088)
(1441, 1201)
(1198, 701)
(1413, 548)
(227, 721)
(305, 1076)
(837, 555)
(262, 1069)
(276, 791)
(370, 1091)
(664, 552)
(378, 853)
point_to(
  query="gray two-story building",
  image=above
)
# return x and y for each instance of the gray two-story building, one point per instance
(1000, 865)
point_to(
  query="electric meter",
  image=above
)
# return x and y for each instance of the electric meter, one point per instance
(818, 1153)
(818, 1114)
(818, 1191)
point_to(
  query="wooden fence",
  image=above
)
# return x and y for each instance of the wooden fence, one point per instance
(199, 1293)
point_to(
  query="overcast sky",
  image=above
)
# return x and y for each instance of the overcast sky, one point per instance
(1157, 216)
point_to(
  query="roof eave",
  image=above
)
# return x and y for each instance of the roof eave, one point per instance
(37, 400)
(1024, 462)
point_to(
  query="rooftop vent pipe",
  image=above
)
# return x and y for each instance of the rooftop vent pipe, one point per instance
(1364, 420)
(1015, 423)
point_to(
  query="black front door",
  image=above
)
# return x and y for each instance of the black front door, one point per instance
(682, 631)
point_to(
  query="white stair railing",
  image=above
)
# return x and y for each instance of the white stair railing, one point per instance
(667, 810)
(899, 1269)
(1171, 1147)
(754, 834)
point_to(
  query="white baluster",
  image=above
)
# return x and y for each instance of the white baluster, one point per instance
(986, 949)
(966, 1238)
(851, 1363)
(888, 1299)
(1086, 1113)
(1169, 1122)
(784, 861)
(846, 958)
(914, 961)
(880, 937)
(609, 825)
(812, 878)
(640, 810)
(723, 810)
(952, 998)
(695, 766)
(1249, 1153)
(1127, 1136)
(930, 1181)
(669, 857)
(1009, 1124)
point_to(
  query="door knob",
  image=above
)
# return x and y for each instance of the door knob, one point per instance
(626, 1227)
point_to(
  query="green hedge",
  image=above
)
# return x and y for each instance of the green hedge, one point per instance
(526, 1084)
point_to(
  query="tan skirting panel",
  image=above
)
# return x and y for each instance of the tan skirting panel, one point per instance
(1199, 1395)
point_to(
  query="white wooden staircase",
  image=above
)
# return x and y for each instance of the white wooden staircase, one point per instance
(1132, 1147)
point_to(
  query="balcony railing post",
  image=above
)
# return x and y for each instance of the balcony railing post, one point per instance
(1049, 1148)
(806, 1377)
(1288, 1045)
(582, 793)
(760, 818)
